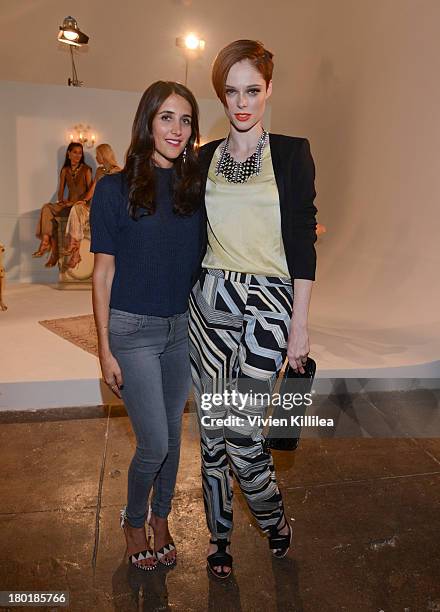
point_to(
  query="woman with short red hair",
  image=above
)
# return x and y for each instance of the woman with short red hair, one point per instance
(249, 309)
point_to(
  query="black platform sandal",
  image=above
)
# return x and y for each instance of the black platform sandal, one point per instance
(219, 559)
(280, 544)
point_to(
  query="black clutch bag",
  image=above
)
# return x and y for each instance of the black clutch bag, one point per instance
(298, 383)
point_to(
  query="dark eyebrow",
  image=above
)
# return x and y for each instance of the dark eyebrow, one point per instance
(248, 86)
(173, 113)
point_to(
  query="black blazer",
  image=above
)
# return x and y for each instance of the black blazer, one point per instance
(295, 177)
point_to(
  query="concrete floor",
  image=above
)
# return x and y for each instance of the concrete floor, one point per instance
(366, 522)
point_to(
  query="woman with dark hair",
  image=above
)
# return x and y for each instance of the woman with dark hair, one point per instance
(146, 228)
(250, 306)
(76, 175)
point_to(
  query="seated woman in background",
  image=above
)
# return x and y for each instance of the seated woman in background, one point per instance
(77, 176)
(78, 222)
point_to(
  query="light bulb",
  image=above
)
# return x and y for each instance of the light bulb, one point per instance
(191, 41)
(70, 35)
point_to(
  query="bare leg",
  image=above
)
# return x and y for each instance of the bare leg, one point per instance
(162, 536)
(44, 246)
(53, 259)
(136, 541)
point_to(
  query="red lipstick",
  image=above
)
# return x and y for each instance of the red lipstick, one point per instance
(242, 116)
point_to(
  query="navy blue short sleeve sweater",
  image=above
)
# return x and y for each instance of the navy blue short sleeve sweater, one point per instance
(156, 256)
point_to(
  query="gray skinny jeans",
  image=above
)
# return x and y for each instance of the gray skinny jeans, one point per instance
(153, 355)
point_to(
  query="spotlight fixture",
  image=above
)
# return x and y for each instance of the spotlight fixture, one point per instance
(71, 35)
(190, 44)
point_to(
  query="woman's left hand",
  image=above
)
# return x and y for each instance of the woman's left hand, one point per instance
(298, 346)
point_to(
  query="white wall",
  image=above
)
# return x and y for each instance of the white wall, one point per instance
(35, 121)
(361, 82)
(359, 78)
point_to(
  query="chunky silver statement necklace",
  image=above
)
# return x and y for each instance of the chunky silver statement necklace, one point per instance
(240, 172)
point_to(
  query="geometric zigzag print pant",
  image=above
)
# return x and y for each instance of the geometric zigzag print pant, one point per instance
(239, 325)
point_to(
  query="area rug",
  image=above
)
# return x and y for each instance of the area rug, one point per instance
(80, 331)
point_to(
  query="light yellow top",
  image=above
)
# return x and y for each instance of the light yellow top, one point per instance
(244, 222)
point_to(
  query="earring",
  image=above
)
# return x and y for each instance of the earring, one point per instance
(184, 154)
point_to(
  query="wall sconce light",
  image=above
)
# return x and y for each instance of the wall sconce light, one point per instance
(71, 35)
(83, 134)
(191, 44)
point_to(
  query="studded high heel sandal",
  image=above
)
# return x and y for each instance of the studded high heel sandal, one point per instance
(162, 552)
(280, 544)
(135, 558)
(219, 559)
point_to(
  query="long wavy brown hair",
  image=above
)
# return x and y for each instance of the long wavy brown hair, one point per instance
(139, 165)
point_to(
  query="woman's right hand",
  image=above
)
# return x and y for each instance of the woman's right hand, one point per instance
(111, 373)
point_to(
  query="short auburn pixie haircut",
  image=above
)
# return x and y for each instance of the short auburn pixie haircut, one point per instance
(237, 51)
